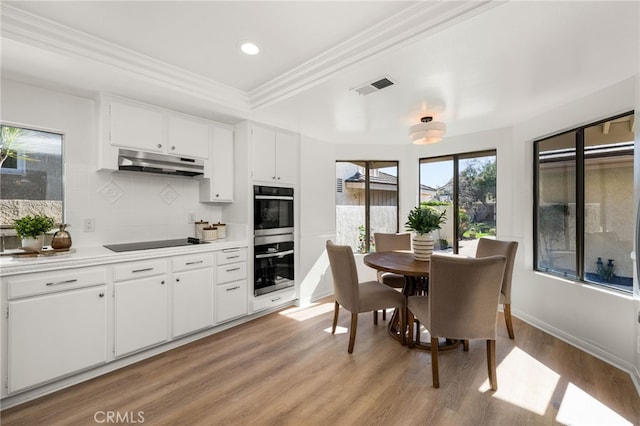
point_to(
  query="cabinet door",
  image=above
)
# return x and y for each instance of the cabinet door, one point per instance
(231, 300)
(192, 300)
(133, 126)
(286, 158)
(141, 314)
(54, 335)
(219, 188)
(263, 147)
(189, 138)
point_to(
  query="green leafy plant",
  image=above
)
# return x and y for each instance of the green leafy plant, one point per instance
(12, 138)
(424, 219)
(32, 226)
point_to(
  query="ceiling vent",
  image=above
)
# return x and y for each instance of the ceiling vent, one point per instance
(380, 84)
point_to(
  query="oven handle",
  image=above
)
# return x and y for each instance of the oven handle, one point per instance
(268, 197)
(278, 254)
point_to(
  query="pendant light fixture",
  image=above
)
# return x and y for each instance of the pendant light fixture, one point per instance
(427, 131)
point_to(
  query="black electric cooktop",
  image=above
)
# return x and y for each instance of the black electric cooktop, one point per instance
(146, 245)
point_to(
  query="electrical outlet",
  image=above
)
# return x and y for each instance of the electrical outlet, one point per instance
(89, 225)
(192, 217)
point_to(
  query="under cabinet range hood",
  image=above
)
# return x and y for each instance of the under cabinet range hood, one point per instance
(138, 161)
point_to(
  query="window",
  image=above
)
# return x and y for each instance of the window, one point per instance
(464, 186)
(30, 174)
(366, 202)
(583, 221)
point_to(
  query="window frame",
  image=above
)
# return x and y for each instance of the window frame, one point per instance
(367, 188)
(8, 230)
(580, 168)
(455, 158)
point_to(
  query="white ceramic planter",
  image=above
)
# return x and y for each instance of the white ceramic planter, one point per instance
(422, 246)
(34, 244)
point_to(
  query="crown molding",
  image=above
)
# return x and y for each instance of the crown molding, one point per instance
(419, 20)
(49, 35)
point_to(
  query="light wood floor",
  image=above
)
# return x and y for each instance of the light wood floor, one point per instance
(287, 369)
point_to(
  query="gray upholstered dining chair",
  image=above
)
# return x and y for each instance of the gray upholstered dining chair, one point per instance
(390, 242)
(491, 247)
(357, 297)
(462, 304)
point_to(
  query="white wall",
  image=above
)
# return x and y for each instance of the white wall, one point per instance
(317, 218)
(594, 319)
(140, 213)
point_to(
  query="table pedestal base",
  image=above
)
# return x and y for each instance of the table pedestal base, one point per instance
(396, 333)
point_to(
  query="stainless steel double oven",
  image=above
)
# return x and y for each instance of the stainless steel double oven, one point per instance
(273, 239)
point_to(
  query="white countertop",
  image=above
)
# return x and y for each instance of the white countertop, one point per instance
(88, 256)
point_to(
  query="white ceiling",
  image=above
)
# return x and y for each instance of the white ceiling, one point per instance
(474, 65)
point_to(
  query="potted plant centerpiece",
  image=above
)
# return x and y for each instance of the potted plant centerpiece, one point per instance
(31, 229)
(423, 220)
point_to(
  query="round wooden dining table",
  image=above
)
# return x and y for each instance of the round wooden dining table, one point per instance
(416, 274)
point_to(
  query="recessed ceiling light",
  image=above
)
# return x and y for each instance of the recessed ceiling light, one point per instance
(249, 48)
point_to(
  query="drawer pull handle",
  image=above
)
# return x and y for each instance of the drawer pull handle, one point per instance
(101, 294)
(195, 262)
(63, 282)
(276, 299)
(232, 257)
(233, 269)
(233, 288)
(162, 282)
(142, 270)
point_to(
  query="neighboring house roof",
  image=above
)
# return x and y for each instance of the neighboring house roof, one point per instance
(383, 178)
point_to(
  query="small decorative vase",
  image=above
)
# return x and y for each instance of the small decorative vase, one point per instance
(61, 239)
(33, 243)
(422, 247)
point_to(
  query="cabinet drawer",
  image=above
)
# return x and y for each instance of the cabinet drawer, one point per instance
(232, 255)
(129, 271)
(273, 300)
(49, 282)
(185, 263)
(231, 272)
(231, 301)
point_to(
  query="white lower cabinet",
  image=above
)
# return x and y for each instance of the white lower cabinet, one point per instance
(60, 323)
(53, 335)
(193, 284)
(231, 300)
(141, 314)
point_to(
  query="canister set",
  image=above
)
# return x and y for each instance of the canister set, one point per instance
(210, 232)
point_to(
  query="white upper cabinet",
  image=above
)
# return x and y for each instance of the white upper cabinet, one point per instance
(263, 142)
(187, 137)
(275, 155)
(135, 125)
(286, 157)
(219, 188)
